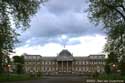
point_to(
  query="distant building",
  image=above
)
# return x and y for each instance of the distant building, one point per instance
(64, 63)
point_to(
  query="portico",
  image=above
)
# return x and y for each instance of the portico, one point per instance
(65, 60)
(64, 67)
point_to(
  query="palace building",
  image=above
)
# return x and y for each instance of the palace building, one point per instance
(64, 63)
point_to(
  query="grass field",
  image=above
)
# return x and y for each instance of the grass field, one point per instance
(16, 77)
(111, 77)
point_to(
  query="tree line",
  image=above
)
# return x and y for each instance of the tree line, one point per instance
(111, 14)
(14, 14)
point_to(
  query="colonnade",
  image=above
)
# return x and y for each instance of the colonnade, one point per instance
(64, 66)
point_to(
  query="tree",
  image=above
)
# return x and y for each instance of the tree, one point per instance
(112, 58)
(14, 14)
(110, 61)
(18, 62)
(107, 69)
(111, 14)
(18, 59)
(122, 66)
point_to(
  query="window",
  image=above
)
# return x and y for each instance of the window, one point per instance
(76, 62)
(25, 62)
(76, 68)
(33, 57)
(86, 62)
(43, 62)
(83, 62)
(38, 62)
(79, 62)
(53, 62)
(50, 62)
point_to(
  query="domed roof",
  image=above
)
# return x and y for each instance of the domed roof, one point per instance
(64, 55)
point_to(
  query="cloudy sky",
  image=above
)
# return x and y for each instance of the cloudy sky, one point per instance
(60, 23)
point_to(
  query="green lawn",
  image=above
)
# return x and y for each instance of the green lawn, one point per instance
(16, 77)
(111, 77)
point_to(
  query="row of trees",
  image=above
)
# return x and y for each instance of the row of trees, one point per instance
(18, 63)
(14, 64)
(14, 14)
(111, 14)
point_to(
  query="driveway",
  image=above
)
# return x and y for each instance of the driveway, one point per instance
(60, 79)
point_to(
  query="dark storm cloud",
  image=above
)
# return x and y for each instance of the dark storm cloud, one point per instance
(57, 18)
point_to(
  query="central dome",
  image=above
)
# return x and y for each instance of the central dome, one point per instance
(64, 55)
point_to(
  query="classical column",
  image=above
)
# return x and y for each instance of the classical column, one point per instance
(72, 67)
(62, 66)
(56, 66)
(85, 65)
(57, 69)
(67, 66)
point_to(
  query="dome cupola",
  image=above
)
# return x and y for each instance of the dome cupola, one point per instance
(64, 55)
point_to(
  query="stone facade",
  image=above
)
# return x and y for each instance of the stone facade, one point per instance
(64, 63)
